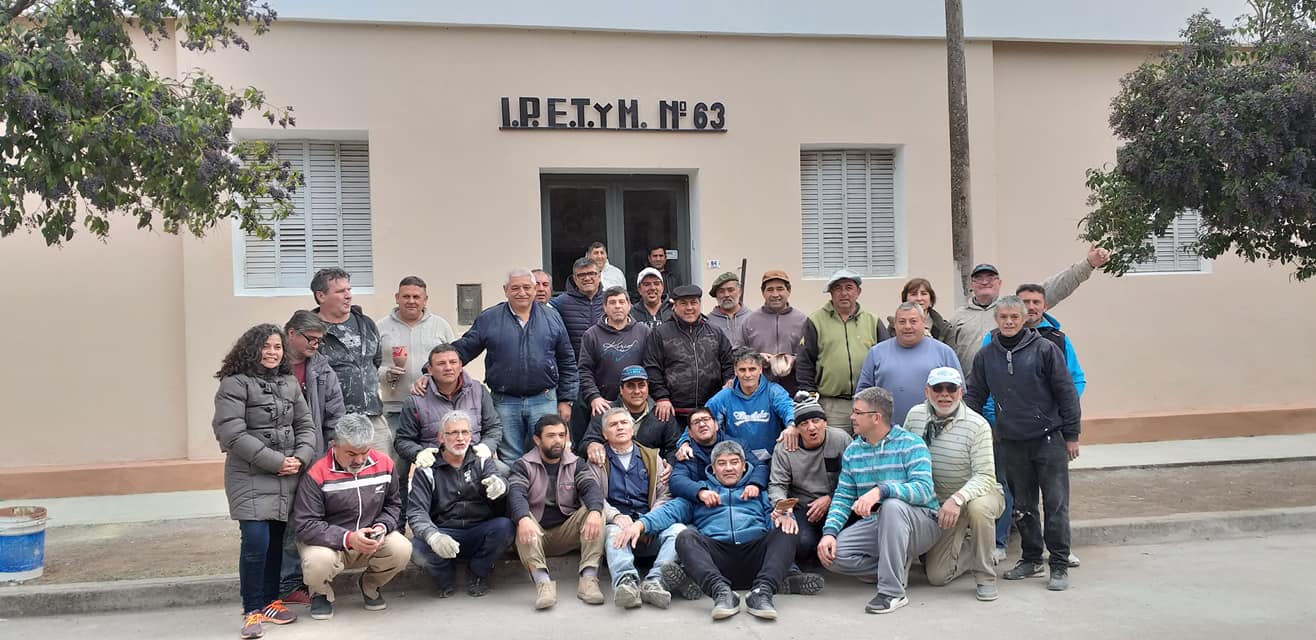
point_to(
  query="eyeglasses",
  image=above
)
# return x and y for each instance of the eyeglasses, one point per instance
(314, 341)
(587, 275)
(945, 387)
(856, 412)
(700, 420)
(984, 279)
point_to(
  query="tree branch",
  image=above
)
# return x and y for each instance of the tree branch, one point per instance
(17, 9)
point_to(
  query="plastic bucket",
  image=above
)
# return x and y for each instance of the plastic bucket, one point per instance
(22, 543)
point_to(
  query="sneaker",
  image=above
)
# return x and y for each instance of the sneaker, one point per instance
(725, 602)
(627, 593)
(987, 592)
(885, 604)
(443, 590)
(1025, 569)
(477, 586)
(998, 554)
(251, 627)
(372, 604)
(276, 613)
(653, 594)
(545, 594)
(1059, 580)
(1073, 561)
(759, 604)
(802, 584)
(676, 581)
(301, 595)
(321, 608)
(588, 590)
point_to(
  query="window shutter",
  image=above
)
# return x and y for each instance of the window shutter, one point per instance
(1172, 255)
(847, 212)
(330, 222)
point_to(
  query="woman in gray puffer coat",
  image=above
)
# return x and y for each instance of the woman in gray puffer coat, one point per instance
(263, 425)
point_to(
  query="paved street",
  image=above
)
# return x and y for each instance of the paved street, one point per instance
(1215, 589)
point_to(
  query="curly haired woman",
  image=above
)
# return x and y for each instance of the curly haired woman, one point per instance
(263, 425)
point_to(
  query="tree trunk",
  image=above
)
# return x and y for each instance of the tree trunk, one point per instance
(961, 237)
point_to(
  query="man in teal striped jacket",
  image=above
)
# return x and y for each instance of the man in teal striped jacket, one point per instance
(886, 480)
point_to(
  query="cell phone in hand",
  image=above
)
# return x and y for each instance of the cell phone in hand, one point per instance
(375, 534)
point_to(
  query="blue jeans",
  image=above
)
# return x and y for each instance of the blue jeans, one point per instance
(519, 414)
(290, 573)
(259, 560)
(481, 544)
(621, 562)
(1007, 516)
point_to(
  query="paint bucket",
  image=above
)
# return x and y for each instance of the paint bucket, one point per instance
(22, 543)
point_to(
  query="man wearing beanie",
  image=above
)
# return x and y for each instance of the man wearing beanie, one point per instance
(808, 474)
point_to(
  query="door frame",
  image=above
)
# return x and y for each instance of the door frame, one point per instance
(613, 185)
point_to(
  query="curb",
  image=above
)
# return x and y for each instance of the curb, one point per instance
(95, 597)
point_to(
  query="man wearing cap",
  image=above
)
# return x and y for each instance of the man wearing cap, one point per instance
(649, 430)
(836, 340)
(728, 314)
(975, 319)
(775, 329)
(607, 348)
(652, 306)
(687, 359)
(901, 366)
(808, 474)
(964, 477)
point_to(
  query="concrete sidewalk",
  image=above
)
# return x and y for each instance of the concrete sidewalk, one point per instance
(150, 507)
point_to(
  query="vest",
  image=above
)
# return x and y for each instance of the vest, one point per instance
(432, 406)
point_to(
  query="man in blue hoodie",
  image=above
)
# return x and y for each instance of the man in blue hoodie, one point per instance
(737, 542)
(695, 455)
(755, 411)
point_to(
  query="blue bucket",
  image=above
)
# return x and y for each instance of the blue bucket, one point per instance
(22, 543)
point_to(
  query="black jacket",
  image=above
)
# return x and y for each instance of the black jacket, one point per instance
(1031, 386)
(649, 431)
(687, 363)
(442, 496)
(578, 313)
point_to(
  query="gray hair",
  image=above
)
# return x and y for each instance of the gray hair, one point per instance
(877, 399)
(727, 447)
(582, 263)
(749, 353)
(911, 306)
(519, 272)
(603, 420)
(320, 281)
(354, 430)
(450, 417)
(1012, 302)
(303, 321)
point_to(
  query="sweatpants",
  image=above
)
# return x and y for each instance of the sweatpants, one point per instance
(884, 544)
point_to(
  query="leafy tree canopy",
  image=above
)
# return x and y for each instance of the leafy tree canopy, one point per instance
(1224, 125)
(91, 131)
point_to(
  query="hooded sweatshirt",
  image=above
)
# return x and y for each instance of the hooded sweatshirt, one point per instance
(736, 520)
(754, 420)
(729, 325)
(604, 352)
(1048, 328)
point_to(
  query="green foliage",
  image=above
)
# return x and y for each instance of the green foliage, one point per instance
(1224, 125)
(90, 130)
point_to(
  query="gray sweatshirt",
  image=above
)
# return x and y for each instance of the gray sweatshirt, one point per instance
(808, 474)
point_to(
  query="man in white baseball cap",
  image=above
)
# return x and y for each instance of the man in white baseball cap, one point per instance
(653, 306)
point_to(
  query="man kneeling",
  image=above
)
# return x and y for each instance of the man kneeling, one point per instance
(737, 542)
(346, 516)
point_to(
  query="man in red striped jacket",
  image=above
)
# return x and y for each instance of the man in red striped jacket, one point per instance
(346, 517)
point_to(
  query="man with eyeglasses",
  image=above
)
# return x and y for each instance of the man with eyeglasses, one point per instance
(975, 319)
(964, 477)
(688, 477)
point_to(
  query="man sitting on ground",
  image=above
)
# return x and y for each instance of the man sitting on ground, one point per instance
(808, 474)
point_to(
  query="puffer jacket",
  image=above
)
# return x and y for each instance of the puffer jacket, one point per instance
(972, 321)
(522, 361)
(324, 397)
(1031, 386)
(258, 422)
(332, 502)
(735, 520)
(687, 363)
(578, 312)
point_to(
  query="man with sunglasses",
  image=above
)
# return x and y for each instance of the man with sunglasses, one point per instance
(964, 477)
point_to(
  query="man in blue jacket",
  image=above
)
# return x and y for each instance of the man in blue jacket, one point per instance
(755, 411)
(736, 543)
(695, 455)
(529, 365)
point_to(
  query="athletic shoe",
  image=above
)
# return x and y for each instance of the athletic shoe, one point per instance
(372, 604)
(998, 554)
(251, 627)
(1025, 569)
(759, 604)
(627, 593)
(725, 602)
(1059, 580)
(653, 594)
(676, 581)
(300, 595)
(276, 613)
(803, 584)
(1073, 561)
(987, 592)
(885, 604)
(321, 608)
(477, 586)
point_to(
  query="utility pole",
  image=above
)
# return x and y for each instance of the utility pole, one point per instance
(961, 227)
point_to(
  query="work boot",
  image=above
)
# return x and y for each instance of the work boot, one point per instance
(725, 602)
(627, 593)
(588, 590)
(477, 586)
(803, 584)
(545, 594)
(759, 603)
(676, 581)
(654, 595)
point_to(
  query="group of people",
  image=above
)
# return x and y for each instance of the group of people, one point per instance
(731, 451)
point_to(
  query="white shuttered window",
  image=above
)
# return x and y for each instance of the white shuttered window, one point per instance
(848, 211)
(330, 224)
(1172, 255)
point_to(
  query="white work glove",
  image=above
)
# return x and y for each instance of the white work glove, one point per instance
(443, 545)
(425, 458)
(482, 451)
(494, 487)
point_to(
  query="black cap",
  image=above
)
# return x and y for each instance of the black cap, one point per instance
(985, 267)
(686, 291)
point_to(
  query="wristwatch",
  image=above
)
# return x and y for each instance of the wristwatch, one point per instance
(959, 502)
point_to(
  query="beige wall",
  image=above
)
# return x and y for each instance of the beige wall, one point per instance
(456, 200)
